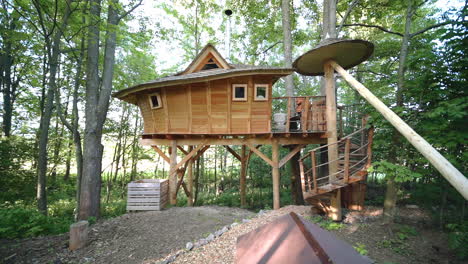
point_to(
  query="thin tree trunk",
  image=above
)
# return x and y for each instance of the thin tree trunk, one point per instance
(287, 43)
(53, 51)
(392, 188)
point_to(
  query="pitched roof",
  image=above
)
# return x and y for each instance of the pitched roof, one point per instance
(208, 52)
(292, 239)
(193, 74)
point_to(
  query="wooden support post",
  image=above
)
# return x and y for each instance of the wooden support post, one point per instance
(335, 206)
(190, 179)
(78, 235)
(346, 160)
(332, 139)
(173, 174)
(243, 176)
(314, 171)
(276, 175)
(452, 174)
(331, 121)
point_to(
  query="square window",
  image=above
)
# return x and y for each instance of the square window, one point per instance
(155, 101)
(261, 92)
(239, 92)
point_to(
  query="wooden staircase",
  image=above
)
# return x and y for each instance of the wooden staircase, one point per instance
(354, 158)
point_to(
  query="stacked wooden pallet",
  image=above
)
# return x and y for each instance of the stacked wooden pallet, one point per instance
(147, 195)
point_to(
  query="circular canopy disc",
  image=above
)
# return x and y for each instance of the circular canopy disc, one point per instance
(347, 53)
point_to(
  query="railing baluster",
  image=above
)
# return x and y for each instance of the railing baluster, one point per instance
(301, 169)
(346, 160)
(288, 119)
(305, 114)
(314, 170)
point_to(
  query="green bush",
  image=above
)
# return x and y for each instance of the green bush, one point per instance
(24, 222)
(325, 223)
(458, 239)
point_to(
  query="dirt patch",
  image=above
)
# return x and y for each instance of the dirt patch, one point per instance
(130, 238)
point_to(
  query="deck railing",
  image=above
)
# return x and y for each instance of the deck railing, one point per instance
(298, 114)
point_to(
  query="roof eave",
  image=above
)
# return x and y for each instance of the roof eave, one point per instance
(125, 93)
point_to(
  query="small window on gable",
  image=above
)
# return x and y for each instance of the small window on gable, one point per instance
(155, 101)
(239, 92)
(261, 92)
(211, 64)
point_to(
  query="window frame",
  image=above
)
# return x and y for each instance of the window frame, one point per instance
(234, 98)
(158, 96)
(266, 92)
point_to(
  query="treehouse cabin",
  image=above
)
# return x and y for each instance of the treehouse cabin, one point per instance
(213, 102)
(213, 97)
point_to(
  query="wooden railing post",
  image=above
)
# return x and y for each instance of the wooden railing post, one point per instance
(346, 160)
(314, 171)
(288, 118)
(305, 114)
(301, 170)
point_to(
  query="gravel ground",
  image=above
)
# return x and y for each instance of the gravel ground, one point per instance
(359, 228)
(130, 238)
(223, 249)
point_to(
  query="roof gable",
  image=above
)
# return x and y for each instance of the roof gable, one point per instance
(209, 58)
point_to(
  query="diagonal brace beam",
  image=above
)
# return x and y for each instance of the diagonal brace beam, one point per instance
(260, 154)
(233, 152)
(187, 157)
(162, 154)
(290, 155)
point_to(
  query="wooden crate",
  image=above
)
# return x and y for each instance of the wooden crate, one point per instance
(147, 195)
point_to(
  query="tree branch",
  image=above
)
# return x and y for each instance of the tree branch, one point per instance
(374, 26)
(348, 11)
(129, 11)
(431, 27)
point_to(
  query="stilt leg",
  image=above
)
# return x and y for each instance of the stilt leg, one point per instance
(276, 175)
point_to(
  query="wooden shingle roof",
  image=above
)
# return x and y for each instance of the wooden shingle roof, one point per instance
(189, 76)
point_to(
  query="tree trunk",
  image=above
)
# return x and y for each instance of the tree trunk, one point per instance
(392, 187)
(6, 86)
(53, 54)
(287, 44)
(97, 104)
(296, 187)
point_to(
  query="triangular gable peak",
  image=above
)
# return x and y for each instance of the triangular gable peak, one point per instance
(209, 58)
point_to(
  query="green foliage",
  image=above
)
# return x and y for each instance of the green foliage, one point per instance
(23, 222)
(16, 181)
(458, 239)
(325, 223)
(361, 248)
(398, 243)
(401, 173)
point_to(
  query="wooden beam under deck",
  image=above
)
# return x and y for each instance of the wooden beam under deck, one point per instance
(263, 139)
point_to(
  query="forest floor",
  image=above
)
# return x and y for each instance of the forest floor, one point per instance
(156, 237)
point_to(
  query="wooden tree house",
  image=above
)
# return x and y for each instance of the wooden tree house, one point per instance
(213, 102)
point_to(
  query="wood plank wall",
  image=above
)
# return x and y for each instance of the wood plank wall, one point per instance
(207, 108)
